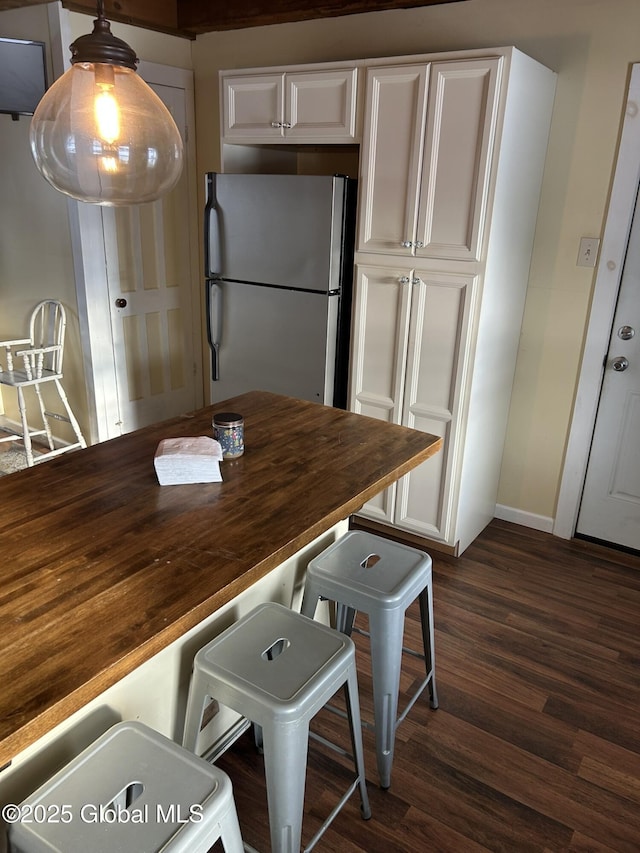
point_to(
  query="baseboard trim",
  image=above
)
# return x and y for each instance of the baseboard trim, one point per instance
(526, 519)
(505, 513)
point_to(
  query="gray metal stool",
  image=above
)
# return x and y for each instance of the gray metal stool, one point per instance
(133, 791)
(361, 571)
(278, 669)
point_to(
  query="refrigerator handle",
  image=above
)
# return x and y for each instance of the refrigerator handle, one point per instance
(214, 325)
(211, 228)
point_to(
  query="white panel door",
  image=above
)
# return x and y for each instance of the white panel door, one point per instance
(378, 355)
(253, 106)
(390, 160)
(437, 365)
(460, 132)
(610, 508)
(150, 282)
(321, 105)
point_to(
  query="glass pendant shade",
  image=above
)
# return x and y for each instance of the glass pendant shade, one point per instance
(102, 135)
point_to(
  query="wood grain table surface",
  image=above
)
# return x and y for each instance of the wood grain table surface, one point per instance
(101, 568)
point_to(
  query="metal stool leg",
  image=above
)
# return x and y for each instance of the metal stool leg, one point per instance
(310, 598)
(345, 617)
(428, 638)
(195, 710)
(285, 747)
(355, 728)
(386, 635)
(230, 830)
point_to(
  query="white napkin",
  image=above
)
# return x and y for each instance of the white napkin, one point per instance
(188, 460)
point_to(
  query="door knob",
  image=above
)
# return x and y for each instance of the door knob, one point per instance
(121, 303)
(620, 363)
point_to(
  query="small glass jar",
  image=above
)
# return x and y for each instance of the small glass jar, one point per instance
(228, 429)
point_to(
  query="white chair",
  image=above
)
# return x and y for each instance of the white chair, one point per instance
(32, 362)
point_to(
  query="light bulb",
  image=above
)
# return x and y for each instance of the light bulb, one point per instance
(100, 134)
(107, 116)
(106, 110)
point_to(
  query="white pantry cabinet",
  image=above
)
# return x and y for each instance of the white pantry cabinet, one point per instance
(307, 106)
(451, 169)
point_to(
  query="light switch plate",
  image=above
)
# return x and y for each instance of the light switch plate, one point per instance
(588, 253)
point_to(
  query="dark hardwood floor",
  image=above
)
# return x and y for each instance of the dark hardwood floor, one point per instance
(536, 743)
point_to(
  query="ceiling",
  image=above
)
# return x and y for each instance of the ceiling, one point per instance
(189, 18)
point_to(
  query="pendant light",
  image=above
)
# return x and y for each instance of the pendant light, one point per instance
(100, 134)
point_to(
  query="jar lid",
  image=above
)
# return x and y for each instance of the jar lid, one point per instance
(227, 419)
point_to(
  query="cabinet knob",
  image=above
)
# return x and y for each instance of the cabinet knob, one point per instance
(406, 244)
(276, 124)
(416, 280)
(419, 244)
(404, 279)
(286, 124)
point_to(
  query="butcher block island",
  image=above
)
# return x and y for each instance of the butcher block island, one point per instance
(111, 582)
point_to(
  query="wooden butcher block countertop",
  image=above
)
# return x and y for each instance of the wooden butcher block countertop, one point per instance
(101, 567)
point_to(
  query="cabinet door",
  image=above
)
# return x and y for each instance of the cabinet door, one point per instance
(436, 372)
(252, 104)
(460, 131)
(321, 105)
(390, 158)
(378, 353)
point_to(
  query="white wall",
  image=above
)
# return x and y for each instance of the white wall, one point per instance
(35, 248)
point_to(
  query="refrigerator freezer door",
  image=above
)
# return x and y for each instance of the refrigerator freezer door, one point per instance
(274, 340)
(284, 230)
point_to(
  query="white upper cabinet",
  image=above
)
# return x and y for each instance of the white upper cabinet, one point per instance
(426, 149)
(306, 106)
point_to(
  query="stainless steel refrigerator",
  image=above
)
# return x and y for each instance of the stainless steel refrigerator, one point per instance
(278, 269)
